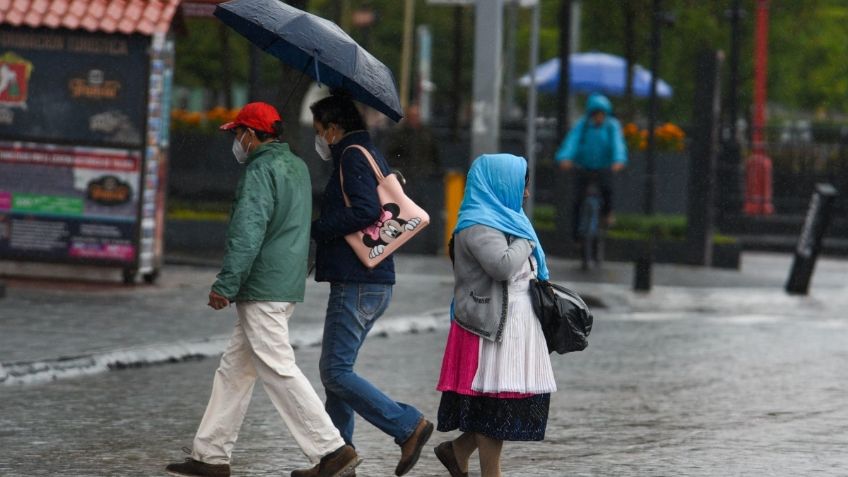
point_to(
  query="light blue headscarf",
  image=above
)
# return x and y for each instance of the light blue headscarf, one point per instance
(494, 191)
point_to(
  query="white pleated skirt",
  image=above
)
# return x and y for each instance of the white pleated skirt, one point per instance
(520, 363)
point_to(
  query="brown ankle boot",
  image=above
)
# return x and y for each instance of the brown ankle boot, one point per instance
(411, 449)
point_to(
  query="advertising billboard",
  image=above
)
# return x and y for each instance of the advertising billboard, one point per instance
(83, 146)
(66, 203)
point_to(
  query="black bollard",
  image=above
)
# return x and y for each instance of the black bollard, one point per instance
(810, 240)
(642, 274)
(2, 290)
(643, 266)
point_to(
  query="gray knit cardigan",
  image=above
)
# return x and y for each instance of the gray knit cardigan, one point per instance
(484, 260)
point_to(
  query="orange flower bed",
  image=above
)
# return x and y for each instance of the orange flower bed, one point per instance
(667, 137)
(204, 121)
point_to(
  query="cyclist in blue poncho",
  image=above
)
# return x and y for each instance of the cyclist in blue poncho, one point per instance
(595, 148)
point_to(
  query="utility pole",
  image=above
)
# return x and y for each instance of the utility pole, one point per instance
(488, 44)
(564, 67)
(406, 52)
(531, 110)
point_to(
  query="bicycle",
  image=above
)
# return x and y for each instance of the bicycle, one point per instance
(590, 229)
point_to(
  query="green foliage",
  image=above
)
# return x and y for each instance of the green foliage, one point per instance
(199, 54)
(665, 227)
(544, 217)
(807, 38)
(806, 42)
(198, 210)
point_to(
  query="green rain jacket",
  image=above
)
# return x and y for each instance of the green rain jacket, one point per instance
(268, 235)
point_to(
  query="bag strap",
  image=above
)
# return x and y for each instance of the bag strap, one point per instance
(533, 269)
(377, 172)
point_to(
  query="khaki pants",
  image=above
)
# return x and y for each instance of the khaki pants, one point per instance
(260, 347)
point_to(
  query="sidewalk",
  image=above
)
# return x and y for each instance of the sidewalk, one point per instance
(713, 373)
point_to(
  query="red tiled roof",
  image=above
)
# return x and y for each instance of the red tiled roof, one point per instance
(109, 16)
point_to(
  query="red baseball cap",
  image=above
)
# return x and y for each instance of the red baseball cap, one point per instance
(257, 116)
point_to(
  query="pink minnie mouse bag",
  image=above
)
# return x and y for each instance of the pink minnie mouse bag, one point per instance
(400, 220)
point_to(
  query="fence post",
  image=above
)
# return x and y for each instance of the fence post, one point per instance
(702, 159)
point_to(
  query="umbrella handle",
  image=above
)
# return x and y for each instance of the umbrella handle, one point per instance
(294, 88)
(315, 62)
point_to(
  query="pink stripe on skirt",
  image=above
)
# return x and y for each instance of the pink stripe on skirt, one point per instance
(459, 365)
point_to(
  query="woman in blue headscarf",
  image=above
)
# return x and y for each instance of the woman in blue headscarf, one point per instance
(496, 376)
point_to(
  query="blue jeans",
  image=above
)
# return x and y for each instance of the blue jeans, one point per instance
(352, 310)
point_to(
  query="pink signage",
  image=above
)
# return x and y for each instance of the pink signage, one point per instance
(124, 253)
(5, 200)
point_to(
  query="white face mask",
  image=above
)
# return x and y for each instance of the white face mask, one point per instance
(239, 151)
(322, 148)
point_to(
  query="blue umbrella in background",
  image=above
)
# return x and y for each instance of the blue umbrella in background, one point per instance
(596, 72)
(315, 46)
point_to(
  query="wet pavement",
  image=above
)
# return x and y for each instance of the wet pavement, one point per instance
(713, 373)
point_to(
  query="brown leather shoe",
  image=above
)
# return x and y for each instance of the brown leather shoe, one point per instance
(410, 451)
(341, 462)
(312, 472)
(444, 452)
(195, 468)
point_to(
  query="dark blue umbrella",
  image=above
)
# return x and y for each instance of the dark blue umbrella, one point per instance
(317, 47)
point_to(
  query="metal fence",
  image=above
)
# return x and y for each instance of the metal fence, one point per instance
(799, 165)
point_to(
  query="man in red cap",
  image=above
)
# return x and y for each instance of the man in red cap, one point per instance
(264, 274)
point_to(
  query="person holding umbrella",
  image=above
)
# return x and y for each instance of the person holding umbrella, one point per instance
(321, 50)
(264, 274)
(358, 295)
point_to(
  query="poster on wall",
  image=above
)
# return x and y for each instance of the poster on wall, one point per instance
(151, 242)
(73, 87)
(68, 203)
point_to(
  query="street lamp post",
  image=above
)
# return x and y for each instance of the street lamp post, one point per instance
(644, 264)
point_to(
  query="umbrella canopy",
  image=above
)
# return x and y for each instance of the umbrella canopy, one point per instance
(316, 46)
(596, 72)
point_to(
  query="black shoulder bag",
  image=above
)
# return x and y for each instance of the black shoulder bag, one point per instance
(564, 316)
